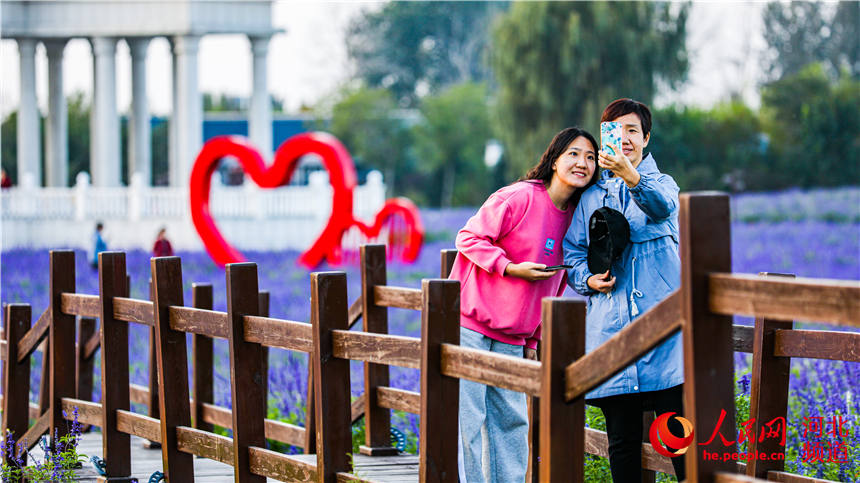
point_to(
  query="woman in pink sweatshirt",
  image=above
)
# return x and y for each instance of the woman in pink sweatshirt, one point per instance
(503, 251)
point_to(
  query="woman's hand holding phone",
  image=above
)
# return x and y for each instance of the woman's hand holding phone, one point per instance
(620, 165)
(528, 271)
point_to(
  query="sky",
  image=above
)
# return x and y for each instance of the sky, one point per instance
(308, 61)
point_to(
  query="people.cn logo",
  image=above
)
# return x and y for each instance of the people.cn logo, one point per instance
(668, 444)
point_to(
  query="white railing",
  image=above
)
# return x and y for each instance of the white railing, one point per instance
(136, 202)
(250, 217)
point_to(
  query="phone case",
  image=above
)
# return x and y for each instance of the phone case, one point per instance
(610, 135)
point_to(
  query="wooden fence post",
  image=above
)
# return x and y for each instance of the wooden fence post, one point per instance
(84, 376)
(310, 411)
(562, 424)
(448, 256)
(16, 375)
(172, 368)
(708, 352)
(45, 379)
(377, 420)
(765, 406)
(116, 445)
(263, 298)
(62, 340)
(153, 378)
(246, 377)
(534, 439)
(329, 308)
(440, 395)
(648, 476)
(201, 355)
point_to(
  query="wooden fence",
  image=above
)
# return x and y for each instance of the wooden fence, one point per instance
(701, 309)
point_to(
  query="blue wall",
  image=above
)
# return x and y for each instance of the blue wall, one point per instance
(282, 129)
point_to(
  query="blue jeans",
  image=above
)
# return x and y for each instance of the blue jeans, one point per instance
(505, 414)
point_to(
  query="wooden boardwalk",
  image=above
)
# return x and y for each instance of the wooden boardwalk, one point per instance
(144, 462)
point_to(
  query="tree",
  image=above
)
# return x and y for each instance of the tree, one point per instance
(79, 135)
(367, 123)
(813, 124)
(800, 33)
(417, 48)
(558, 64)
(9, 146)
(720, 148)
(449, 145)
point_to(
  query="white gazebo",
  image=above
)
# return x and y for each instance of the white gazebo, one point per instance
(183, 23)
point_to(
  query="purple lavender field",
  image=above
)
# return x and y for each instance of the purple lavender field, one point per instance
(808, 233)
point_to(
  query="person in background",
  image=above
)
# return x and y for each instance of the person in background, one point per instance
(99, 245)
(504, 251)
(162, 246)
(5, 180)
(647, 271)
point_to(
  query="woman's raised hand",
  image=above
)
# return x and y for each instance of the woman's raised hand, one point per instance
(528, 271)
(619, 164)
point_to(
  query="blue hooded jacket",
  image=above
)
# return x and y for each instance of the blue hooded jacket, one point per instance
(648, 271)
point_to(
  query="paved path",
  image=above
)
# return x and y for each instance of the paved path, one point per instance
(144, 462)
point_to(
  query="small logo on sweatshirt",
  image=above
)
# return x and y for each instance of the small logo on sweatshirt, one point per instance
(548, 247)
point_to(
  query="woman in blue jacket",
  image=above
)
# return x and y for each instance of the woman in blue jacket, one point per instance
(647, 272)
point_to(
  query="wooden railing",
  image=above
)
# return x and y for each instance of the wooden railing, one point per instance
(701, 309)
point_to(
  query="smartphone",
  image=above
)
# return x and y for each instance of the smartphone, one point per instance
(556, 267)
(610, 136)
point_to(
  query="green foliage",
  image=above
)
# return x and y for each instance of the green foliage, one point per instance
(358, 435)
(9, 149)
(410, 47)
(800, 33)
(79, 136)
(596, 467)
(814, 129)
(449, 145)
(59, 464)
(9, 146)
(806, 134)
(434, 155)
(367, 123)
(559, 64)
(720, 148)
(159, 154)
(292, 418)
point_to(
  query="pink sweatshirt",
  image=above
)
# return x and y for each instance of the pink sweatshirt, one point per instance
(518, 223)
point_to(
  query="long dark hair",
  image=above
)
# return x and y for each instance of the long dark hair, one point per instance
(543, 170)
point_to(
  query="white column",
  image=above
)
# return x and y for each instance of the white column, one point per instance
(106, 160)
(57, 135)
(29, 152)
(188, 107)
(172, 164)
(260, 118)
(139, 135)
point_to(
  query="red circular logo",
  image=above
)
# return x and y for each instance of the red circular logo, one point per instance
(667, 444)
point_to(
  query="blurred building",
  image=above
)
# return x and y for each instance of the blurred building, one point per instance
(104, 23)
(57, 215)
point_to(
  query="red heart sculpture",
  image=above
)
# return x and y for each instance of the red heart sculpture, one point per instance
(342, 177)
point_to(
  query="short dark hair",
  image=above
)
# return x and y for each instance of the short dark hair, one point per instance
(543, 170)
(620, 107)
(99, 226)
